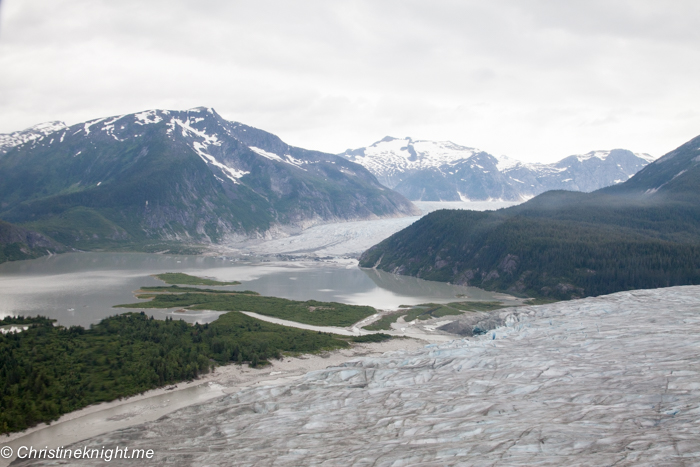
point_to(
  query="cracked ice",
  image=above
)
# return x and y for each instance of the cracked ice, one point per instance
(598, 381)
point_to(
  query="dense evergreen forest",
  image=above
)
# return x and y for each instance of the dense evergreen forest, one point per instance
(46, 370)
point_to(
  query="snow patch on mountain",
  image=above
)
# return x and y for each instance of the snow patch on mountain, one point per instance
(442, 170)
(201, 146)
(148, 117)
(33, 133)
(287, 159)
(89, 124)
(603, 155)
(505, 163)
(389, 158)
(187, 128)
(109, 127)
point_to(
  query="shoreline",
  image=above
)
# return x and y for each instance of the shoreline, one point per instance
(101, 418)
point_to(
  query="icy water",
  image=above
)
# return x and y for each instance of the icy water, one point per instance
(82, 288)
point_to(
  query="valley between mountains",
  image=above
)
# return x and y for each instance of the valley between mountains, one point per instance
(191, 181)
(153, 180)
(349, 233)
(471, 373)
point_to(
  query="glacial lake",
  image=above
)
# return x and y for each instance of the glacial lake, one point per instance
(81, 288)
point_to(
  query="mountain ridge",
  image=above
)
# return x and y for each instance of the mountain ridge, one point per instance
(10, 140)
(643, 233)
(425, 170)
(183, 176)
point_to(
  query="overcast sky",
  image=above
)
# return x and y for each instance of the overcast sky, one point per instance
(534, 80)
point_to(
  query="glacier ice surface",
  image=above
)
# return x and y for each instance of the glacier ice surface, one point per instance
(598, 381)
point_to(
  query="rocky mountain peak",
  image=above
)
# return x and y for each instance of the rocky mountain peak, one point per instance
(10, 140)
(445, 171)
(186, 175)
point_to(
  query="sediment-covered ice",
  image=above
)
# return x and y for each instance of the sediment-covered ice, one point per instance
(353, 238)
(336, 239)
(613, 380)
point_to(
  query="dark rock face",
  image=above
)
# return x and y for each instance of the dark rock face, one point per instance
(182, 176)
(17, 243)
(444, 171)
(509, 264)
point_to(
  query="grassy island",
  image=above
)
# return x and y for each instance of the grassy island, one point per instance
(307, 312)
(181, 278)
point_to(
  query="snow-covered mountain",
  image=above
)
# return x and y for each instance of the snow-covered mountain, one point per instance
(445, 171)
(584, 172)
(178, 175)
(392, 158)
(10, 140)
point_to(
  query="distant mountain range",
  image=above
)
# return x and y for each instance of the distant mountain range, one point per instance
(643, 233)
(179, 176)
(444, 171)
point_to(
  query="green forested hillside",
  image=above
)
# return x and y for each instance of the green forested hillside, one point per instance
(639, 234)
